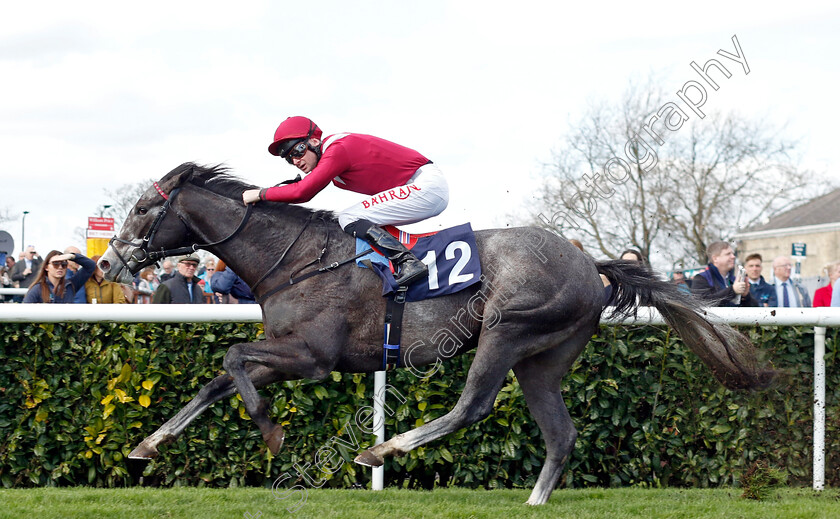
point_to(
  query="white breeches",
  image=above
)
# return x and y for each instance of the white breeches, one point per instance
(425, 195)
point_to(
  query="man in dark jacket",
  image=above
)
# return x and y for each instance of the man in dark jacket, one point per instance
(763, 292)
(717, 284)
(168, 271)
(183, 287)
(26, 270)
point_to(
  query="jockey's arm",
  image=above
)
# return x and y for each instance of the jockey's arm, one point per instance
(329, 167)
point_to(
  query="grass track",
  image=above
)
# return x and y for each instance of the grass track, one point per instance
(176, 503)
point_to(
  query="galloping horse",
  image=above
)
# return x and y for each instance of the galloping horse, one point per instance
(537, 305)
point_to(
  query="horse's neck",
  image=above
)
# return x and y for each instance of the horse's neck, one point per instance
(266, 237)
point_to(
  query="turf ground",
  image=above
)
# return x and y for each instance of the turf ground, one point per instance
(192, 503)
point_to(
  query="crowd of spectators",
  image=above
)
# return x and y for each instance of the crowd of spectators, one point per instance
(725, 283)
(71, 277)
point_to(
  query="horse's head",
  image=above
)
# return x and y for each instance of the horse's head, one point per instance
(151, 227)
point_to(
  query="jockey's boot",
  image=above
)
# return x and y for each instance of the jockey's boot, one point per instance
(408, 268)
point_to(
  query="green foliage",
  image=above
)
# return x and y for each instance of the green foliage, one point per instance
(760, 479)
(76, 398)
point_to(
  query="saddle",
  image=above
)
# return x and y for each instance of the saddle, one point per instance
(451, 255)
(452, 258)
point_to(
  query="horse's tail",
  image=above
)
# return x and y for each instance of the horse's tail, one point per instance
(728, 353)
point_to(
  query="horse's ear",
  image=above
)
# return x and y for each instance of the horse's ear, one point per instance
(177, 177)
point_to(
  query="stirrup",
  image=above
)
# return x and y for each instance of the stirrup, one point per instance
(407, 267)
(410, 271)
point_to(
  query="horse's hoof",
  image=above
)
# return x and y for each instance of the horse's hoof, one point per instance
(143, 452)
(274, 439)
(369, 459)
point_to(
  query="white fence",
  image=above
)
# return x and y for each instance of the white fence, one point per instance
(819, 318)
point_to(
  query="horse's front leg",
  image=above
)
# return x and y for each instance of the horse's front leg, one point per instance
(217, 389)
(288, 355)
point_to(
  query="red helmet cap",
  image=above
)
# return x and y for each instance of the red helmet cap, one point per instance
(293, 128)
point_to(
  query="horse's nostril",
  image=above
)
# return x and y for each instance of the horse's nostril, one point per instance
(104, 265)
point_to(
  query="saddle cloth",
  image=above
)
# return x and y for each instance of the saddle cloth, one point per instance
(451, 255)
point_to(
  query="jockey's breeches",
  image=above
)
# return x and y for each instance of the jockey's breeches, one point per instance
(426, 194)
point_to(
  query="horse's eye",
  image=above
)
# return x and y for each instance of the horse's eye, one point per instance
(142, 210)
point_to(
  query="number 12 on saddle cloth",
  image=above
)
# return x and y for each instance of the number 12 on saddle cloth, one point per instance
(450, 254)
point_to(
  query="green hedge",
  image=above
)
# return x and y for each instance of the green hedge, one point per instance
(75, 399)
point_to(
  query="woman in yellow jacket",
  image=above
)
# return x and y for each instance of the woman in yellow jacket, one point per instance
(98, 290)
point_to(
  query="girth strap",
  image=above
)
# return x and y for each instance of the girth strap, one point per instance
(393, 329)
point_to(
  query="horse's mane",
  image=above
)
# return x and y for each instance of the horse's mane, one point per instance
(221, 181)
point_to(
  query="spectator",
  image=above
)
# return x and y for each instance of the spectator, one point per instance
(183, 287)
(209, 271)
(27, 269)
(168, 271)
(51, 285)
(6, 278)
(226, 283)
(632, 255)
(678, 278)
(400, 185)
(822, 297)
(72, 267)
(763, 292)
(99, 290)
(717, 284)
(835, 296)
(789, 293)
(147, 285)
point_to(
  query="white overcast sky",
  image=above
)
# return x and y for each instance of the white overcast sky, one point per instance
(95, 95)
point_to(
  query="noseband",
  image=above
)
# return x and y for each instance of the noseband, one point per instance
(144, 251)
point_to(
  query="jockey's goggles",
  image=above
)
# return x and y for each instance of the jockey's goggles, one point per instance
(293, 150)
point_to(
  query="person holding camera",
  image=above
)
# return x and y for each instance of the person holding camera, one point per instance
(718, 283)
(52, 284)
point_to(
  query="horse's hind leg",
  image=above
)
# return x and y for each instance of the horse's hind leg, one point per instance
(539, 377)
(484, 380)
(215, 390)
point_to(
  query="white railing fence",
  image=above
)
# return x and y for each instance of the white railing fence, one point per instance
(13, 291)
(819, 318)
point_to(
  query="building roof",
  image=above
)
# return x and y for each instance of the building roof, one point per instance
(821, 210)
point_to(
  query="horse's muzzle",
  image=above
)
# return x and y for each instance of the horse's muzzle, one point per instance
(117, 270)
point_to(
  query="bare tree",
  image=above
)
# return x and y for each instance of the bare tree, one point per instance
(730, 173)
(118, 203)
(5, 216)
(641, 174)
(603, 185)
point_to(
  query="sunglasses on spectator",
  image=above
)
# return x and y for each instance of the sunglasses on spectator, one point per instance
(295, 151)
(59, 264)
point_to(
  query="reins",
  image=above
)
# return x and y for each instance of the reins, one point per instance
(294, 280)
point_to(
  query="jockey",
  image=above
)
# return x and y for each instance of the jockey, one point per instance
(403, 186)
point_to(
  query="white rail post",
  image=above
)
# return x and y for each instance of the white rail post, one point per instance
(379, 381)
(819, 407)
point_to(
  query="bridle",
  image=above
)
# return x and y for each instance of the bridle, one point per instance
(144, 252)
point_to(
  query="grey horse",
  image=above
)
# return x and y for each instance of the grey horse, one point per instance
(539, 301)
